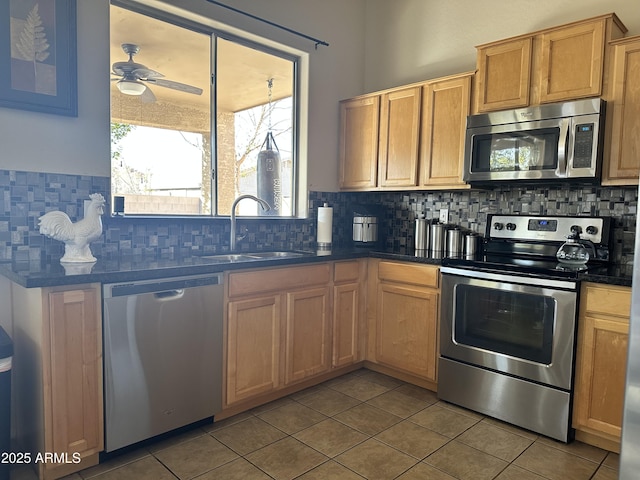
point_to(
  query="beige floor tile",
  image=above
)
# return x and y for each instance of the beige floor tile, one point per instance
(238, 469)
(511, 428)
(147, 468)
(367, 419)
(381, 379)
(605, 473)
(286, 459)
(580, 449)
(195, 457)
(412, 439)
(73, 476)
(175, 440)
(272, 405)
(495, 441)
(555, 464)
(443, 420)
(376, 461)
(328, 402)
(249, 435)
(398, 403)
(612, 460)
(330, 437)
(516, 473)
(360, 388)
(422, 471)
(466, 463)
(292, 417)
(227, 422)
(414, 391)
(460, 410)
(330, 471)
(308, 391)
(115, 462)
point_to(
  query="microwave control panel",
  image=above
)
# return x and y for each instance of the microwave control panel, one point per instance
(583, 145)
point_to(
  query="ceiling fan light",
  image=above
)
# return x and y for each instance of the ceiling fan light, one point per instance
(131, 87)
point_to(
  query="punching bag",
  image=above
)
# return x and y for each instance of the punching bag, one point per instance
(268, 172)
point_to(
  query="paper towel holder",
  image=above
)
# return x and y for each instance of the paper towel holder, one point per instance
(325, 227)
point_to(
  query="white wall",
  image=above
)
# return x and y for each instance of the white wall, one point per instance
(414, 40)
(50, 143)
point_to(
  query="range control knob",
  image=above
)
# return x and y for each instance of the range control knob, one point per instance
(511, 226)
(498, 226)
(591, 230)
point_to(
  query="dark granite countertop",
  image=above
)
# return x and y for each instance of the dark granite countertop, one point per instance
(128, 269)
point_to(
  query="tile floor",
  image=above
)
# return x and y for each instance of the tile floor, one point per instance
(361, 425)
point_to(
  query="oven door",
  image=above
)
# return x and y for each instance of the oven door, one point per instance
(520, 326)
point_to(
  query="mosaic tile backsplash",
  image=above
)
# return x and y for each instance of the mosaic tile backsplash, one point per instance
(25, 196)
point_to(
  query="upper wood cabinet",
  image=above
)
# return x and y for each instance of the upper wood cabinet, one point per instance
(359, 119)
(622, 164)
(552, 65)
(504, 75)
(420, 137)
(399, 136)
(446, 104)
(601, 363)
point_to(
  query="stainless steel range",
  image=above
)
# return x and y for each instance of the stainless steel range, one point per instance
(508, 321)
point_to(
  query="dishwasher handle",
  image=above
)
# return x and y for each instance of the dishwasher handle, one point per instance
(166, 287)
(169, 295)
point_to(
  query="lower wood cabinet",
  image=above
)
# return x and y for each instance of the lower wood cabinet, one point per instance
(603, 331)
(58, 376)
(403, 318)
(349, 309)
(279, 329)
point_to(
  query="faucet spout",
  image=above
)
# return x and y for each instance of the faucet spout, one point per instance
(265, 206)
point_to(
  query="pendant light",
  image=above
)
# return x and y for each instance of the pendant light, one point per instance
(268, 168)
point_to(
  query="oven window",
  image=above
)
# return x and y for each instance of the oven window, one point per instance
(516, 151)
(503, 321)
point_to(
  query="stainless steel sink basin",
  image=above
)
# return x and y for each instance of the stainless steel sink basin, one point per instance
(251, 256)
(275, 254)
(229, 257)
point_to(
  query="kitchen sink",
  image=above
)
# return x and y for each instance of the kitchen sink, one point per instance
(283, 254)
(252, 256)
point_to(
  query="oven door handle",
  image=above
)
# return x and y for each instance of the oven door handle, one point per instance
(542, 282)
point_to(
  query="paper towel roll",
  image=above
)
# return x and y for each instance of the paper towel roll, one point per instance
(325, 224)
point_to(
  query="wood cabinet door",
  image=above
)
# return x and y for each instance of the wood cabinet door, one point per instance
(446, 105)
(346, 308)
(572, 62)
(623, 166)
(308, 334)
(504, 75)
(253, 347)
(601, 361)
(406, 329)
(359, 142)
(399, 137)
(73, 373)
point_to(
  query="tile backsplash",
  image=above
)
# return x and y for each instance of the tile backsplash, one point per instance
(25, 196)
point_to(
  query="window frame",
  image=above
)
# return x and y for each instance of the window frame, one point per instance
(299, 205)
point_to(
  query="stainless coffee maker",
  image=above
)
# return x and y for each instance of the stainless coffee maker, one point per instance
(365, 226)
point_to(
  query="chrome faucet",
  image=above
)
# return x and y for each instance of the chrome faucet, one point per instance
(265, 206)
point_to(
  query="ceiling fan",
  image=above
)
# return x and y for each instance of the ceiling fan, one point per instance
(132, 75)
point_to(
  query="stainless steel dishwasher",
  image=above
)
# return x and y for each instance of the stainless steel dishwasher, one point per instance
(162, 356)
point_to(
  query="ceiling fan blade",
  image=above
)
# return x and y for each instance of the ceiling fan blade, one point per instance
(144, 73)
(183, 87)
(147, 96)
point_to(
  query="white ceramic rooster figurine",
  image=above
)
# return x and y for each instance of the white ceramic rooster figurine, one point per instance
(76, 236)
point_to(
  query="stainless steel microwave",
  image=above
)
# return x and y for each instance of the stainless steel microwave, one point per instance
(553, 142)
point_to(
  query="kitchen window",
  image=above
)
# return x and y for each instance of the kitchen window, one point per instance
(198, 118)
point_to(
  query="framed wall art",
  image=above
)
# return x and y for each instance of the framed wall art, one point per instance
(38, 59)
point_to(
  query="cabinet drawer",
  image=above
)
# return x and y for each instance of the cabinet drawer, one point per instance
(278, 279)
(426, 275)
(607, 300)
(346, 271)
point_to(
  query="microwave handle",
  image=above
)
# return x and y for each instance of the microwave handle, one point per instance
(563, 141)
